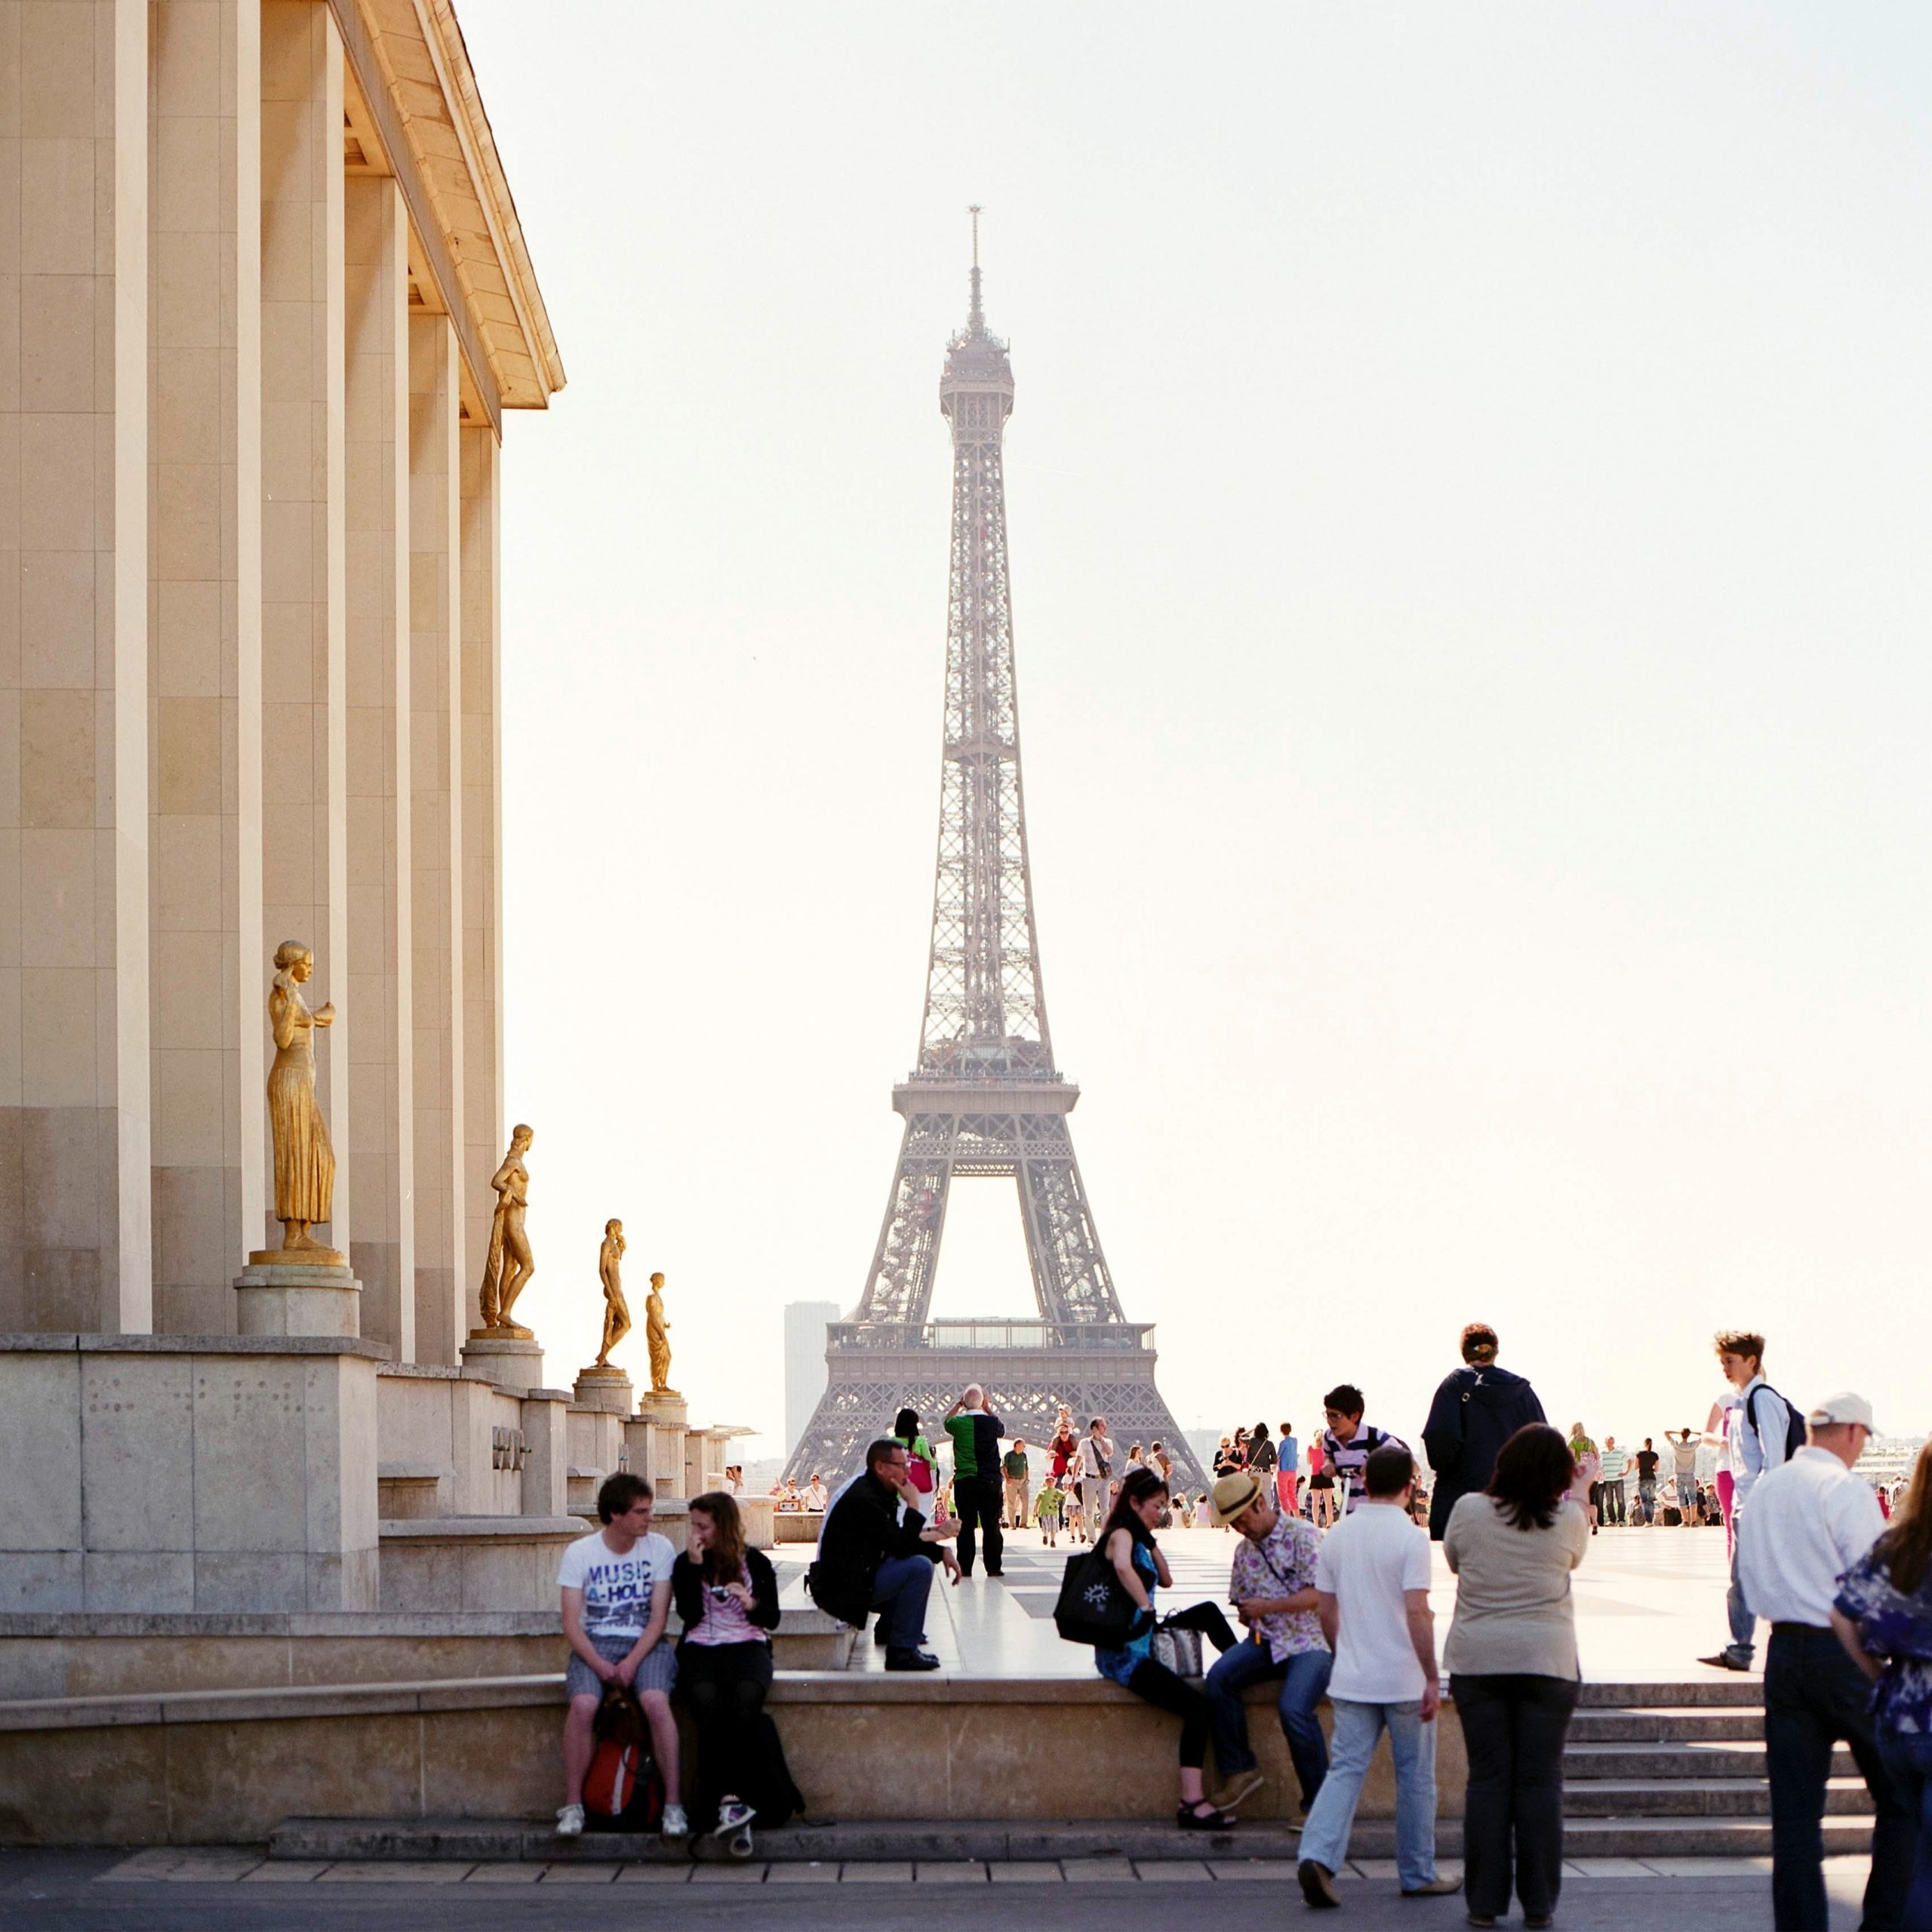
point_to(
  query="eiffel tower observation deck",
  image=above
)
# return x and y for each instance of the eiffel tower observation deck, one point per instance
(986, 1098)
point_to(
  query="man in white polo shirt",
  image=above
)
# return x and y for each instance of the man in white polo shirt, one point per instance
(1371, 1586)
(1810, 1520)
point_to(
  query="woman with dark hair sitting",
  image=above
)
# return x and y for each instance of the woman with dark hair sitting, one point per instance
(1512, 1659)
(1127, 1540)
(727, 1596)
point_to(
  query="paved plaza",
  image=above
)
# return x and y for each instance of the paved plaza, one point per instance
(1649, 1603)
(226, 1891)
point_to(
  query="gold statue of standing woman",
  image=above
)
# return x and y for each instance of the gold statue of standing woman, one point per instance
(510, 1264)
(657, 1338)
(304, 1160)
(617, 1310)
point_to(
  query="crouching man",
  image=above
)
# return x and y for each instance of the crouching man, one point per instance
(617, 1601)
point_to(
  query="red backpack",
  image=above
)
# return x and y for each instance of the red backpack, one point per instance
(622, 1785)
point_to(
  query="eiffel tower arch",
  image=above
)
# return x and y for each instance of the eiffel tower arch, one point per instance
(986, 1097)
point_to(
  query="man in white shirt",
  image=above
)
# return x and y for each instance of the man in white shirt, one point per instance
(1810, 1520)
(1096, 1469)
(1371, 1582)
(1759, 1443)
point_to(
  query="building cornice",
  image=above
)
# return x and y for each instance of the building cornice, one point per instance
(408, 58)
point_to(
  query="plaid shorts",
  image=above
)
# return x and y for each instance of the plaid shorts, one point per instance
(658, 1672)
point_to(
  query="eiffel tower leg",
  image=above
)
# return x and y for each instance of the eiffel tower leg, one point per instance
(1063, 1246)
(900, 1288)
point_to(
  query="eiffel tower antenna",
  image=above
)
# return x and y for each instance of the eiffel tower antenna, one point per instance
(985, 1097)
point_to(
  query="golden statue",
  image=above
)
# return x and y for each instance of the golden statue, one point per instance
(304, 1161)
(616, 1311)
(657, 1338)
(510, 1264)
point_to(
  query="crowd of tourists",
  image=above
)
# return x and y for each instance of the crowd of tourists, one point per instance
(1333, 1599)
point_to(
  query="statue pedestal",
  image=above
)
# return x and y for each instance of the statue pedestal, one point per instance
(666, 1407)
(607, 1388)
(316, 1294)
(512, 1362)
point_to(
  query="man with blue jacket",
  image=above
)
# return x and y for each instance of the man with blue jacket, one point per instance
(1477, 1407)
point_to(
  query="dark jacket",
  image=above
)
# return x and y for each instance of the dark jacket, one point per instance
(1475, 1411)
(861, 1531)
(687, 1590)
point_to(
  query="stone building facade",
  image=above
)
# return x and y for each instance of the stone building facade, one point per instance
(264, 300)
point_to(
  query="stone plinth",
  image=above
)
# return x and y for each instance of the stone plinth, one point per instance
(213, 1472)
(306, 1297)
(666, 1407)
(604, 1389)
(512, 1362)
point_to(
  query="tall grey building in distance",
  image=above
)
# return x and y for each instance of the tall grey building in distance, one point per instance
(805, 1323)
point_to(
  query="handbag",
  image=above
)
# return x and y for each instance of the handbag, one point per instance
(1092, 1607)
(1179, 1649)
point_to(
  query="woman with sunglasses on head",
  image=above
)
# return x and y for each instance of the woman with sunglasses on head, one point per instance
(1127, 1540)
(727, 1597)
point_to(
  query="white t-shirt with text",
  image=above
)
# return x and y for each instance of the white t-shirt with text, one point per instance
(1367, 1562)
(616, 1589)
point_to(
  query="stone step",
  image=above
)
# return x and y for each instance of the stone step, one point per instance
(1718, 1687)
(1709, 1759)
(1699, 1837)
(480, 1841)
(1701, 1797)
(1667, 1723)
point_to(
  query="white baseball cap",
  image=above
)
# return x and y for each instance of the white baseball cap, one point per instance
(1842, 1408)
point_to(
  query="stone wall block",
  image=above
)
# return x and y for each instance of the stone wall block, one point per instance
(250, 1449)
(40, 1451)
(137, 1457)
(148, 1580)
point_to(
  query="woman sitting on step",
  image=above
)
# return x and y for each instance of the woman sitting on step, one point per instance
(727, 1595)
(1127, 1540)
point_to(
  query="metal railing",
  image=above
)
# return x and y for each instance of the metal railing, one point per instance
(990, 1334)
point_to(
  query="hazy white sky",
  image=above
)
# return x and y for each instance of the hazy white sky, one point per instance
(1468, 493)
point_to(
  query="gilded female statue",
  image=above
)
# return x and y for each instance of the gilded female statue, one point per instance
(657, 1338)
(304, 1161)
(616, 1311)
(510, 1264)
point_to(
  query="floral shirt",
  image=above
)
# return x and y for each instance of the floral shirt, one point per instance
(1279, 1565)
(1897, 1628)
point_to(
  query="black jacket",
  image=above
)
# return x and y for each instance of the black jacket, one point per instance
(861, 1531)
(1475, 1411)
(687, 1590)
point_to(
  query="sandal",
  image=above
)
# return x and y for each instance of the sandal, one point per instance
(1189, 1818)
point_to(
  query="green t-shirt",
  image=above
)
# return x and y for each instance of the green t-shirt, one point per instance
(1014, 1463)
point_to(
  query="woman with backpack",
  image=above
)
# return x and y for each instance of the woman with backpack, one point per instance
(726, 1594)
(1126, 1541)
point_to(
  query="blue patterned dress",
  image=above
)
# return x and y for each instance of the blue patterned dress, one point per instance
(1120, 1665)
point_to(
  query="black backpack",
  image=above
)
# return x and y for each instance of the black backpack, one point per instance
(1794, 1422)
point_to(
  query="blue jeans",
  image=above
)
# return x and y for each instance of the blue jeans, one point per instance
(1324, 1838)
(1304, 1676)
(1813, 1696)
(898, 1595)
(1908, 1758)
(1743, 1625)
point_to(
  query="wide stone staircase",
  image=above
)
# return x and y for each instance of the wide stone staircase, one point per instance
(1678, 1769)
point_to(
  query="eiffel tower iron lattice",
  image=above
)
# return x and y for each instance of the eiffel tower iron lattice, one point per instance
(986, 1097)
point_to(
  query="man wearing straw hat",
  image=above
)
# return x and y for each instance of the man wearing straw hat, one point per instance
(1272, 1589)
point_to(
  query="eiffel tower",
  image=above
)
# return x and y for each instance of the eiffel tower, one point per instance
(986, 1097)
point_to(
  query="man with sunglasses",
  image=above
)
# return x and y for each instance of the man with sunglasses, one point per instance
(1272, 1589)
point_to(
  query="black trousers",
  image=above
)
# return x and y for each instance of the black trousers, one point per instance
(1158, 1686)
(979, 1500)
(1813, 1696)
(725, 1685)
(1513, 1729)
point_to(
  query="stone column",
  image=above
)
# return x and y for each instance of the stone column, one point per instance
(381, 1130)
(443, 1289)
(483, 1131)
(305, 842)
(204, 654)
(75, 1227)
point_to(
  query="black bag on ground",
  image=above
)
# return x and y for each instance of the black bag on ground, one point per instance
(1092, 1607)
(774, 1798)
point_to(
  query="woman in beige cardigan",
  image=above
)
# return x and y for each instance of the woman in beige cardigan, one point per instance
(1511, 1660)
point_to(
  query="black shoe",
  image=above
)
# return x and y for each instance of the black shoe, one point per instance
(1317, 1883)
(882, 1634)
(995, 1572)
(1723, 1660)
(1215, 1819)
(899, 1659)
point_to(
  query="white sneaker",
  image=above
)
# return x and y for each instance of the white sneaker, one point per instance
(675, 1825)
(732, 1817)
(570, 1821)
